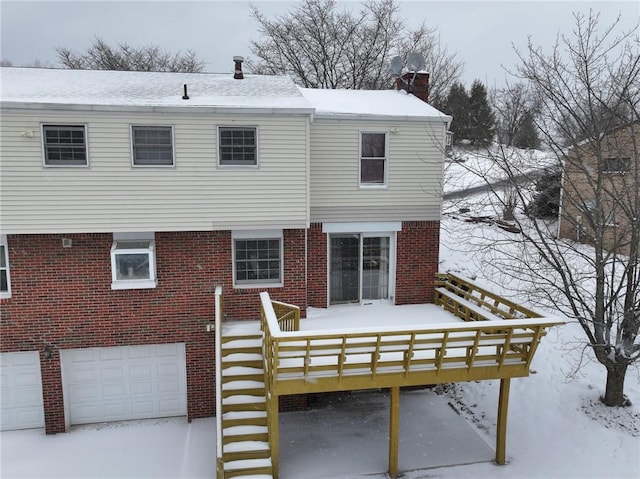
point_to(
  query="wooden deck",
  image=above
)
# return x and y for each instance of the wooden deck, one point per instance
(495, 339)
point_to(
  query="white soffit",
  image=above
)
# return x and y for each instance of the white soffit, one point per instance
(362, 227)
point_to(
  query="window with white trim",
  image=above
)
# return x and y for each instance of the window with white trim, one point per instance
(257, 259)
(133, 261)
(616, 165)
(65, 145)
(373, 159)
(152, 145)
(5, 279)
(237, 146)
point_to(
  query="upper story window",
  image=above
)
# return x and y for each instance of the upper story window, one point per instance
(65, 145)
(373, 159)
(238, 146)
(616, 165)
(257, 258)
(5, 280)
(133, 261)
(152, 145)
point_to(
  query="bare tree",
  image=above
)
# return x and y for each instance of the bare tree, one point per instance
(589, 92)
(37, 63)
(102, 56)
(444, 68)
(321, 46)
(515, 107)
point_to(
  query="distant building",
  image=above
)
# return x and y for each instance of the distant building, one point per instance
(600, 191)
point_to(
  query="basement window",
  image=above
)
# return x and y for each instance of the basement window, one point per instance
(133, 262)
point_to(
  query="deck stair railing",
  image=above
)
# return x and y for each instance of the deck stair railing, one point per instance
(242, 440)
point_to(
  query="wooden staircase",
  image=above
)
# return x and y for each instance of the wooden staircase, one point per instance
(245, 435)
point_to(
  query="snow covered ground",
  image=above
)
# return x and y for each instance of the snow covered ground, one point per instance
(557, 426)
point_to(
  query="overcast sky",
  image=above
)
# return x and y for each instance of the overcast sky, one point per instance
(480, 32)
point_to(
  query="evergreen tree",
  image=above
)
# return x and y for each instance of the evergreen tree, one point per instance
(526, 136)
(481, 118)
(545, 202)
(457, 105)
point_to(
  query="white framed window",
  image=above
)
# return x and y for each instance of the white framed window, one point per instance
(5, 277)
(258, 258)
(133, 261)
(616, 165)
(152, 145)
(373, 158)
(65, 145)
(237, 146)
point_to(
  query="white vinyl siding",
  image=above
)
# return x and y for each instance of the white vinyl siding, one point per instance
(415, 157)
(196, 195)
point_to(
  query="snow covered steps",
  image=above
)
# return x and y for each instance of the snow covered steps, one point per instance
(245, 435)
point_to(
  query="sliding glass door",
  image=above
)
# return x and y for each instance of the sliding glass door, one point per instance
(359, 267)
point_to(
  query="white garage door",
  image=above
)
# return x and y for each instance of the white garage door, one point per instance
(21, 391)
(124, 382)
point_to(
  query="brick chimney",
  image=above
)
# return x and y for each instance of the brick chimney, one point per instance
(416, 83)
(237, 74)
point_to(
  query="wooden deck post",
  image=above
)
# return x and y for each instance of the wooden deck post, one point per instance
(274, 437)
(501, 433)
(394, 427)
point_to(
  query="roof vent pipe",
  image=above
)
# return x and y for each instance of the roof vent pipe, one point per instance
(185, 96)
(237, 74)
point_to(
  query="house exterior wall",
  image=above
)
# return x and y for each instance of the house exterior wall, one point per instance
(63, 297)
(111, 195)
(415, 171)
(584, 182)
(417, 251)
(417, 261)
(308, 174)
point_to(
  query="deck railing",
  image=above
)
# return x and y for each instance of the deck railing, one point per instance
(470, 302)
(315, 361)
(500, 343)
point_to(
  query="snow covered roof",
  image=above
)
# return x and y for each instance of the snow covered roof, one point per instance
(370, 103)
(101, 88)
(124, 90)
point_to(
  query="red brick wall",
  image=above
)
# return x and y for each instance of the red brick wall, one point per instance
(417, 261)
(63, 297)
(317, 265)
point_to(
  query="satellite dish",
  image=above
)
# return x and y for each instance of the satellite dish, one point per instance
(415, 62)
(395, 66)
